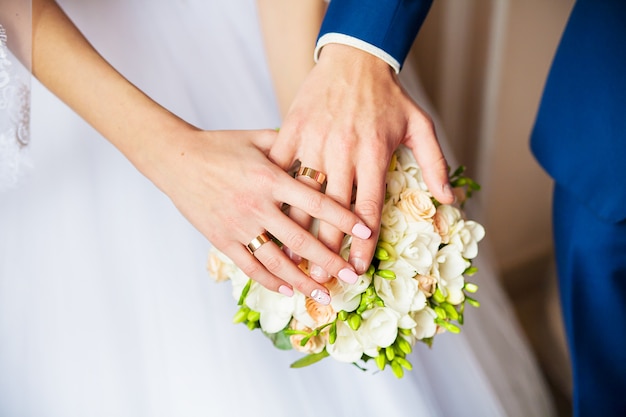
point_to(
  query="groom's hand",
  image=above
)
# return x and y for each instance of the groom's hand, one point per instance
(347, 120)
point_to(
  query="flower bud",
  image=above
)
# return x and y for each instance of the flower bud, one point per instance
(404, 345)
(450, 311)
(389, 353)
(354, 321)
(438, 296)
(343, 315)
(441, 313)
(404, 363)
(472, 302)
(381, 254)
(381, 361)
(470, 287)
(253, 315)
(397, 369)
(386, 274)
(241, 315)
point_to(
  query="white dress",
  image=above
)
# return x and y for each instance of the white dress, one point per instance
(106, 308)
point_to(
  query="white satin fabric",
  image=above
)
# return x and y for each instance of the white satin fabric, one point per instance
(105, 305)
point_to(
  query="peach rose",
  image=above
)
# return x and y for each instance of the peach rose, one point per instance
(220, 267)
(416, 205)
(315, 344)
(321, 314)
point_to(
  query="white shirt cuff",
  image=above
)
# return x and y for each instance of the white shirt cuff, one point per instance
(356, 43)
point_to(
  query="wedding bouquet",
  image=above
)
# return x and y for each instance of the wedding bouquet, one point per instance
(414, 289)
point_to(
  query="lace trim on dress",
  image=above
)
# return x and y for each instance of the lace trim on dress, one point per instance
(14, 116)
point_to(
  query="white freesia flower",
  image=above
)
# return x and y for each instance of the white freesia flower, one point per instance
(396, 183)
(379, 329)
(467, 238)
(276, 309)
(347, 296)
(450, 266)
(347, 347)
(417, 249)
(447, 221)
(401, 294)
(424, 324)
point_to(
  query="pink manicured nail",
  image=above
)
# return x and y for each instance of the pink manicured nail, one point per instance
(285, 290)
(320, 296)
(318, 273)
(361, 231)
(348, 275)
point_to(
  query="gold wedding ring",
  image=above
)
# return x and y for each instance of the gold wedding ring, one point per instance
(258, 241)
(314, 174)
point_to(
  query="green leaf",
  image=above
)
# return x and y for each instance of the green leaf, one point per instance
(280, 340)
(310, 359)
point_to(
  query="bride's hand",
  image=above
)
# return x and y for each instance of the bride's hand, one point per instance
(347, 120)
(225, 185)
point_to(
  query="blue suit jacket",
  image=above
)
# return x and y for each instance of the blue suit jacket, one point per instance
(580, 132)
(390, 25)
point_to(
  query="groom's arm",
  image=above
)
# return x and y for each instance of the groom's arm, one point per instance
(351, 114)
(384, 28)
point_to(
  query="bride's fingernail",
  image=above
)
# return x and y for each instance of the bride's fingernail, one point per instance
(361, 231)
(447, 190)
(318, 273)
(285, 290)
(348, 275)
(320, 296)
(292, 255)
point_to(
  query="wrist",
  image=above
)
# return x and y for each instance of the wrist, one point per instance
(341, 39)
(345, 56)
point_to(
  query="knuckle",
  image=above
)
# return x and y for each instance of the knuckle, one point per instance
(301, 286)
(296, 241)
(273, 264)
(368, 208)
(314, 203)
(251, 269)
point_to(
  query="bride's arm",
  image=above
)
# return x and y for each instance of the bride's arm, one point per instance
(221, 181)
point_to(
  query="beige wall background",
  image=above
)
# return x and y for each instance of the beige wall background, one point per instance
(484, 64)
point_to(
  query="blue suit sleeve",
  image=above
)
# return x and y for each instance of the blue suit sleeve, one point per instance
(390, 25)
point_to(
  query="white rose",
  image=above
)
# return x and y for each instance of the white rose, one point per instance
(347, 296)
(378, 329)
(467, 238)
(416, 205)
(276, 309)
(417, 248)
(401, 294)
(347, 347)
(220, 267)
(446, 221)
(393, 224)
